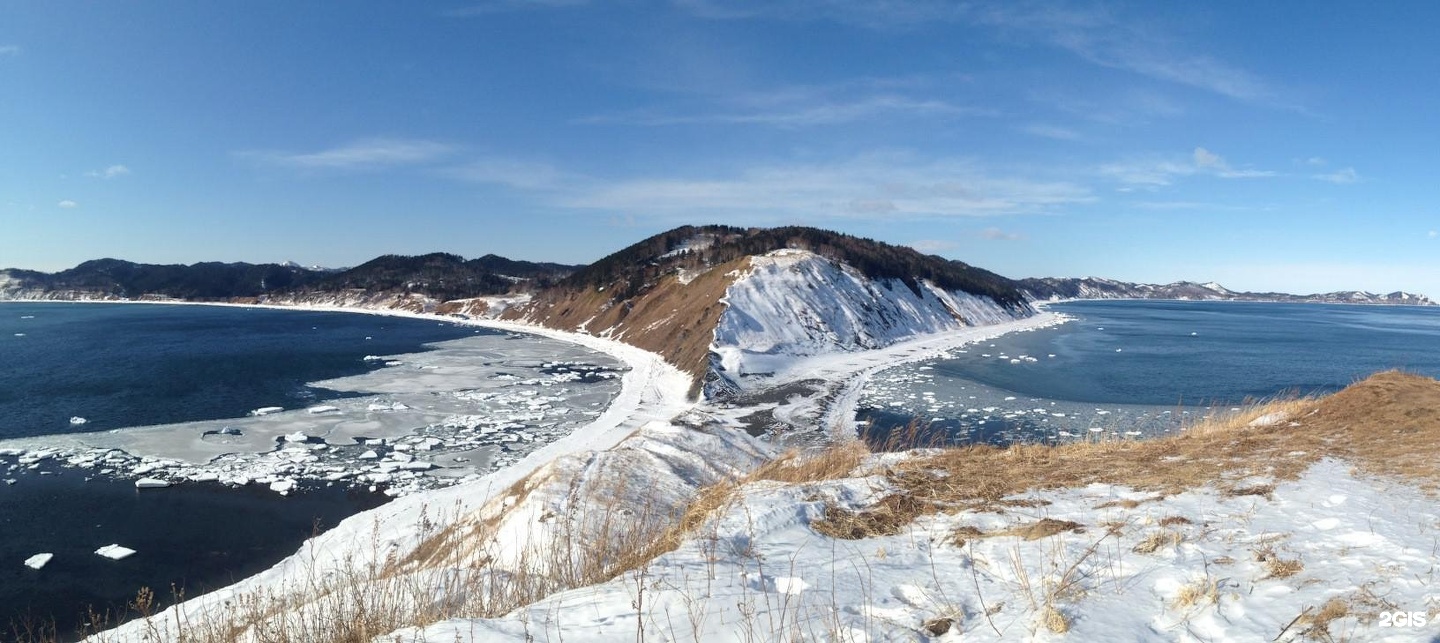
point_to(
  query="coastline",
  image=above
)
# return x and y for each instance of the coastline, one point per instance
(652, 392)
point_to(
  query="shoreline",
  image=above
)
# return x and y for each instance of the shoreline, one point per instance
(651, 392)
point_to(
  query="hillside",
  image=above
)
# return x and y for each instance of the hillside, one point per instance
(115, 278)
(708, 297)
(436, 276)
(1052, 288)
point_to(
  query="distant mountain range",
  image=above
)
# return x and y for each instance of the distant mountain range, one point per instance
(1095, 288)
(438, 276)
(728, 305)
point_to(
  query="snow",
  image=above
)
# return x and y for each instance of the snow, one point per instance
(115, 552)
(761, 572)
(793, 303)
(151, 483)
(38, 561)
(652, 393)
(471, 406)
(758, 570)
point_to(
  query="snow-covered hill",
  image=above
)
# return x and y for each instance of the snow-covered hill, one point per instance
(795, 303)
(1051, 288)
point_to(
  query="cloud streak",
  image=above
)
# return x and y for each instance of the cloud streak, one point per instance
(1096, 35)
(1344, 176)
(9, 50)
(114, 171)
(366, 154)
(1163, 172)
(865, 188)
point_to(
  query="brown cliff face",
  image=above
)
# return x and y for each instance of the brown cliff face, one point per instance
(674, 319)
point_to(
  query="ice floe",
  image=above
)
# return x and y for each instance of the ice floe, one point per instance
(437, 418)
(38, 561)
(115, 552)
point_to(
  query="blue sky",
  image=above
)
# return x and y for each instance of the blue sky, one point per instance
(1281, 145)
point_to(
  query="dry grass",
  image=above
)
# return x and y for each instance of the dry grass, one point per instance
(885, 518)
(1044, 528)
(797, 467)
(1055, 621)
(1275, 566)
(1158, 540)
(1386, 424)
(1200, 591)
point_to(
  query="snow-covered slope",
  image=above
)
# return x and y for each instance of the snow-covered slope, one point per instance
(794, 303)
(1329, 557)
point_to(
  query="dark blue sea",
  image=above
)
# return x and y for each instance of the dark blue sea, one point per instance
(123, 365)
(1147, 367)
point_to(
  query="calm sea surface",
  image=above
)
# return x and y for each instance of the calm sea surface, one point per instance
(119, 365)
(122, 365)
(1145, 366)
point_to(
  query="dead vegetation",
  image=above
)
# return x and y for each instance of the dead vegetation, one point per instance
(1384, 425)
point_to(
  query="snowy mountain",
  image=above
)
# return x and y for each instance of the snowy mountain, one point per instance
(722, 303)
(1052, 288)
(792, 303)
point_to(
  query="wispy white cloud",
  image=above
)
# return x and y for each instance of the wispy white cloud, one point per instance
(1096, 34)
(9, 50)
(1433, 233)
(114, 171)
(1315, 161)
(67, 204)
(996, 234)
(823, 113)
(877, 187)
(1161, 172)
(1212, 163)
(1342, 176)
(364, 154)
(1052, 132)
(847, 101)
(523, 175)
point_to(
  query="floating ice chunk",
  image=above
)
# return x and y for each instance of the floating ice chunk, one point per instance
(369, 455)
(19, 334)
(1009, 398)
(1119, 349)
(115, 552)
(151, 483)
(267, 410)
(1194, 334)
(77, 420)
(316, 410)
(38, 560)
(282, 487)
(373, 358)
(298, 436)
(1096, 429)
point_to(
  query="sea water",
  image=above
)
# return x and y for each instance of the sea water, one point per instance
(123, 365)
(1142, 368)
(121, 370)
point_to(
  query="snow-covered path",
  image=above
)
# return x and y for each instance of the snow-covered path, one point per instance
(845, 374)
